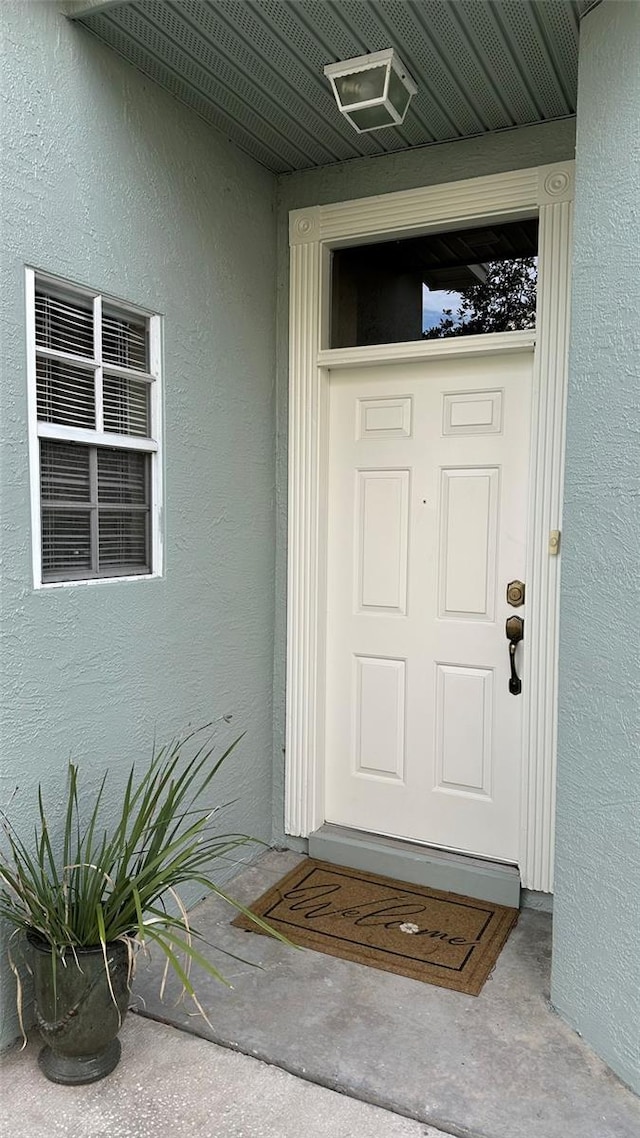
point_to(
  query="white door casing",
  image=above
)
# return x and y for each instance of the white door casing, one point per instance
(546, 191)
(427, 522)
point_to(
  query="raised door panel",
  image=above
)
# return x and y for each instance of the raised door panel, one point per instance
(464, 713)
(379, 722)
(468, 533)
(382, 526)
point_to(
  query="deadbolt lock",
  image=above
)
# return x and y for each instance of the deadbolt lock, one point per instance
(515, 594)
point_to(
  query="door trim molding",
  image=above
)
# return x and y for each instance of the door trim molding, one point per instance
(546, 191)
(495, 344)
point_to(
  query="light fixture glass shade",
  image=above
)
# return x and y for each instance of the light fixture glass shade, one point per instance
(372, 91)
(399, 95)
(370, 118)
(361, 86)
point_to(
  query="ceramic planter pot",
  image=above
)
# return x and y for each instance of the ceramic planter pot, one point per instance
(75, 1010)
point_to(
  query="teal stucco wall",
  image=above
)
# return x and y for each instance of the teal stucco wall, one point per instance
(107, 181)
(596, 973)
(430, 165)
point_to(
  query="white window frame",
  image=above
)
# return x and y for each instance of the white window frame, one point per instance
(40, 430)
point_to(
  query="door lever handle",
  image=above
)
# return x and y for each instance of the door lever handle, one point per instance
(515, 633)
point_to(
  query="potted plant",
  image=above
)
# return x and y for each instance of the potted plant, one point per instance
(86, 903)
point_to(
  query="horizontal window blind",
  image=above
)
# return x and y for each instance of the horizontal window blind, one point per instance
(66, 543)
(65, 325)
(65, 393)
(125, 406)
(96, 500)
(122, 477)
(113, 532)
(122, 540)
(64, 472)
(124, 341)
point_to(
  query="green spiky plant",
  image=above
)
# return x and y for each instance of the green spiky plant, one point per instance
(105, 885)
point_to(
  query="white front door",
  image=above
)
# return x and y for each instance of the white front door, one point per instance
(426, 527)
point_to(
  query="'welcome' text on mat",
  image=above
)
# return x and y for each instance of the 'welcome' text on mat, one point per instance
(437, 937)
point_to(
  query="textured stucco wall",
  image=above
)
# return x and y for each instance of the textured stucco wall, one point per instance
(106, 180)
(596, 981)
(596, 975)
(448, 162)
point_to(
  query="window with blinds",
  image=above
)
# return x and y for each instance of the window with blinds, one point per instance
(94, 367)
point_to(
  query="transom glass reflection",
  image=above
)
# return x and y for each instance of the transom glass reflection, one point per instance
(458, 283)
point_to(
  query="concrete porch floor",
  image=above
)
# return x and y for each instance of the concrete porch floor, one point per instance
(501, 1065)
(173, 1085)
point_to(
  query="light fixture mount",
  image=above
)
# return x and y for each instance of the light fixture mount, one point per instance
(372, 91)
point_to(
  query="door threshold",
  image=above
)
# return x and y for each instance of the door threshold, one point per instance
(417, 864)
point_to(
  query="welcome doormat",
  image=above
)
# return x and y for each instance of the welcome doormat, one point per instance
(440, 938)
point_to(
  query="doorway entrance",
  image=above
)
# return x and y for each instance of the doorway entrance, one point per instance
(445, 675)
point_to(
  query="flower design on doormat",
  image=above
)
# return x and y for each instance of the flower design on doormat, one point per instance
(409, 927)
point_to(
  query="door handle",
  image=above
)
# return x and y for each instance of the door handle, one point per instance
(515, 633)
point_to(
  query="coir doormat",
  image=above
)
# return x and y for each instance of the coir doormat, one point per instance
(440, 938)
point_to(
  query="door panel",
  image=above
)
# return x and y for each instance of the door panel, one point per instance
(380, 716)
(468, 505)
(382, 526)
(427, 524)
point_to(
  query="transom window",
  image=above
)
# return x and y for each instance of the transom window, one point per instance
(448, 283)
(95, 411)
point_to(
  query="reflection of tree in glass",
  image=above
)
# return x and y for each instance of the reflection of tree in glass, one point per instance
(504, 302)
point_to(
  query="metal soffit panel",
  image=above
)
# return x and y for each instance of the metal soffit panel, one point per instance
(253, 68)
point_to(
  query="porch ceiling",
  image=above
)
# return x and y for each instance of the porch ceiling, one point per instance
(253, 68)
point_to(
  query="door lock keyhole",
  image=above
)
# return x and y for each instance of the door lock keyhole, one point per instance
(515, 594)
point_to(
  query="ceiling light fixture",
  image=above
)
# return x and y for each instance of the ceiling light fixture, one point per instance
(372, 91)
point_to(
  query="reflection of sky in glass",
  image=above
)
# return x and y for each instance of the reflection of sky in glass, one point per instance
(434, 304)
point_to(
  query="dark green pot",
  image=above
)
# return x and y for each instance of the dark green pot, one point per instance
(75, 1009)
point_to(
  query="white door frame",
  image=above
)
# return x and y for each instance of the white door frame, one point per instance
(545, 191)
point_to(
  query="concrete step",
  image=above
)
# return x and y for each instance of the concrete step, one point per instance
(418, 864)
